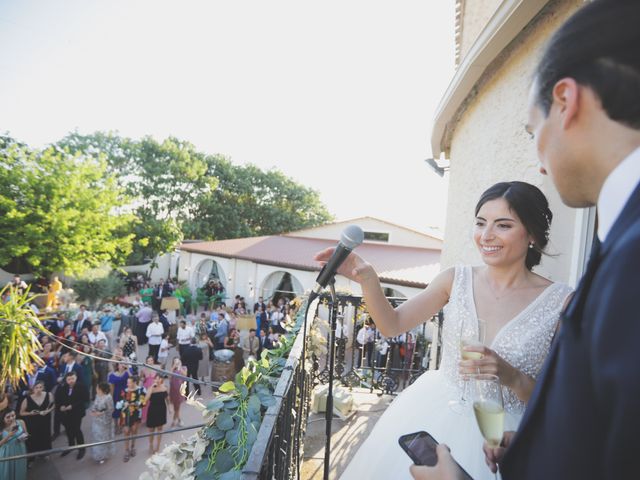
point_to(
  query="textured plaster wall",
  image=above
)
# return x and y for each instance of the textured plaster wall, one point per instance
(489, 145)
(475, 15)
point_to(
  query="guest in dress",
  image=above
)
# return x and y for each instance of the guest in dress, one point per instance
(232, 342)
(87, 372)
(101, 366)
(204, 367)
(102, 426)
(129, 343)
(118, 382)
(174, 390)
(148, 378)
(14, 433)
(132, 399)
(158, 402)
(36, 410)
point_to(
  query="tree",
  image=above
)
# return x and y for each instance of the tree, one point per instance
(179, 191)
(59, 212)
(165, 180)
(251, 202)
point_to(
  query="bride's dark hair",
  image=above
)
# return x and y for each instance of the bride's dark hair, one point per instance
(532, 208)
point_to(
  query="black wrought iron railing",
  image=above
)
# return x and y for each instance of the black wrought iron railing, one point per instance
(387, 365)
(277, 451)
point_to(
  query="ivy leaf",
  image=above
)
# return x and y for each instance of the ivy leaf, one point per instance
(215, 404)
(227, 387)
(252, 434)
(232, 475)
(201, 467)
(213, 433)
(231, 405)
(266, 399)
(243, 390)
(224, 461)
(224, 421)
(253, 404)
(232, 437)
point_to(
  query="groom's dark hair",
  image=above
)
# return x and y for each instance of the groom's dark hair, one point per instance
(599, 48)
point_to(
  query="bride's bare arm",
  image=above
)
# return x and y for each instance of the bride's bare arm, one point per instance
(411, 313)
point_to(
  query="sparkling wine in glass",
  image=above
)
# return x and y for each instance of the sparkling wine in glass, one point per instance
(471, 334)
(488, 407)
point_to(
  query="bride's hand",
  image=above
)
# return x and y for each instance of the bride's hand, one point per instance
(490, 363)
(354, 267)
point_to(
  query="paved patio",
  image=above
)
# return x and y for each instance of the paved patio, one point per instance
(346, 435)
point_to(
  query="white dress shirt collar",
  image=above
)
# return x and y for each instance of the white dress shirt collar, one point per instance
(616, 191)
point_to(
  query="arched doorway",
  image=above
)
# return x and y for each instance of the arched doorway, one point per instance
(281, 284)
(208, 270)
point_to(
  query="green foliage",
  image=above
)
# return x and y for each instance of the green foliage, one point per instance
(204, 196)
(251, 202)
(240, 407)
(165, 179)
(18, 336)
(59, 212)
(92, 289)
(183, 293)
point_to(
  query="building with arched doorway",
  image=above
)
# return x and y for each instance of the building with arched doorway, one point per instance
(282, 265)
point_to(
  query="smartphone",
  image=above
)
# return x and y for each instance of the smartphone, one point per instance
(421, 448)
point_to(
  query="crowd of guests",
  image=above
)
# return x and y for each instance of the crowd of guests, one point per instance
(90, 368)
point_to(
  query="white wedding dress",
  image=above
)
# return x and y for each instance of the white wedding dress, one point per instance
(523, 342)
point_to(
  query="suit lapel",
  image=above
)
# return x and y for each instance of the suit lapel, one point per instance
(572, 317)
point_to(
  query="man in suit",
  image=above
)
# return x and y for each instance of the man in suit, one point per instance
(56, 323)
(191, 357)
(82, 321)
(582, 420)
(72, 398)
(250, 345)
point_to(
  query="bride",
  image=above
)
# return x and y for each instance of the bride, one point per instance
(519, 308)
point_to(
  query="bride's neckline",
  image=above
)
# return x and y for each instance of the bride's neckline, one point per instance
(517, 316)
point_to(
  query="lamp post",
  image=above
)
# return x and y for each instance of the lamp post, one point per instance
(437, 168)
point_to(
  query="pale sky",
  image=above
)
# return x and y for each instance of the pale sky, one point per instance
(339, 95)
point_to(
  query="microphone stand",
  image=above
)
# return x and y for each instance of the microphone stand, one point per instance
(333, 313)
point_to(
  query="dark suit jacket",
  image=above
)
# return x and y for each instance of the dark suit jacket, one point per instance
(62, 370)
(78, 399)
(191, 357)
(582, 420)
(85, 324)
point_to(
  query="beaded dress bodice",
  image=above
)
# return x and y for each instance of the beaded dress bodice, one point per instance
(523, 342)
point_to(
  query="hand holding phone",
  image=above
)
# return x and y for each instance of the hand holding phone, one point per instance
(421, 448)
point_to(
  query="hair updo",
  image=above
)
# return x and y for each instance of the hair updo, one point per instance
(531, 207)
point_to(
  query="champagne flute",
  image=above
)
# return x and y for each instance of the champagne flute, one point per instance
(488, 407)
(469, 336)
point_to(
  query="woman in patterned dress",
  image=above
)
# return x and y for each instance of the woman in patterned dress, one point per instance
(102, 425)
(132, 399)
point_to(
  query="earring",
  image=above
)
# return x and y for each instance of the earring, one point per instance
(531, 245)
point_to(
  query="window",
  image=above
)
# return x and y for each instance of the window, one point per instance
(376, 236)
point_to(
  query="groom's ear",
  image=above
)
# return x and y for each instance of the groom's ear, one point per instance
(566, 95)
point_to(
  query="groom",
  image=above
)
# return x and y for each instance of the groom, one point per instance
(582, 420)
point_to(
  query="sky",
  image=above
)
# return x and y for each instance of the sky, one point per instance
(338, 95)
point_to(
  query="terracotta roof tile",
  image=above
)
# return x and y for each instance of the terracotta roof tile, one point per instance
(297, 252)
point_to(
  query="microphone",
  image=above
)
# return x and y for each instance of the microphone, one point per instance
(351, 237)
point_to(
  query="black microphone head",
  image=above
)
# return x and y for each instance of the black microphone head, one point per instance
(352, 236)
